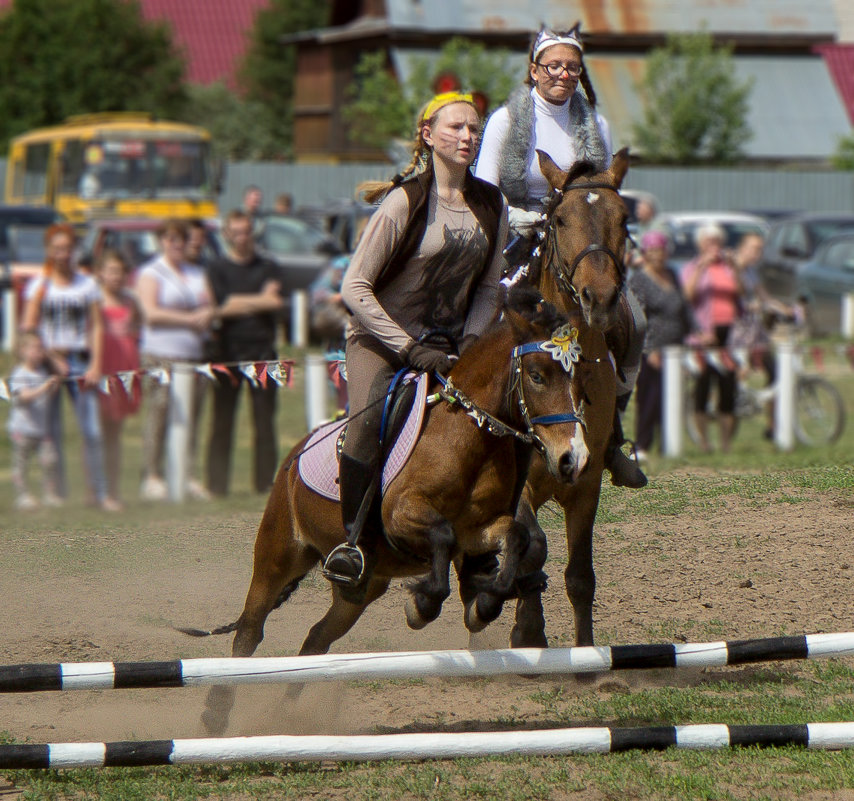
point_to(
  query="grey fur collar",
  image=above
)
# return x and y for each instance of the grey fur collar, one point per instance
(516, 150)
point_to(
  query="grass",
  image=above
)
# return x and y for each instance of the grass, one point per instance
(754, 473)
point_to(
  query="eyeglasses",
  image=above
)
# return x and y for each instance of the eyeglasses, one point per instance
(555, 69)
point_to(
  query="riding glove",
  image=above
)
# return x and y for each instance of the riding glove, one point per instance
(428, 360)
(523, 222)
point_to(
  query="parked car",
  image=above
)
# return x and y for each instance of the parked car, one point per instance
(343, 220)
(823, 280)
(22, 231)
(790, 244)
(681, 227)
(135, 238)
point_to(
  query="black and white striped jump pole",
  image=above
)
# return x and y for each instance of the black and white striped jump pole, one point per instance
(416, 664)
(369, 747)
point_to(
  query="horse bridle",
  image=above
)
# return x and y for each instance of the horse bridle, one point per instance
(595, 247)
(499, 428)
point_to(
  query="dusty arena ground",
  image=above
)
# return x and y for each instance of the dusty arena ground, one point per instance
(728, 567)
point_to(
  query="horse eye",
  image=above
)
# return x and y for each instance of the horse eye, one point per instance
(536, 377)
(559, 222)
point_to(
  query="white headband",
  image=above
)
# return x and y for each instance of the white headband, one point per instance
(548, 39)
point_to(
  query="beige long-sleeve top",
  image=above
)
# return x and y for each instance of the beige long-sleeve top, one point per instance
(434, 288)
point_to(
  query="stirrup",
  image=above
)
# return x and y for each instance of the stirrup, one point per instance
(342, 578)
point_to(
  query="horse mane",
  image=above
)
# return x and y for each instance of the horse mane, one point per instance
(526, 301)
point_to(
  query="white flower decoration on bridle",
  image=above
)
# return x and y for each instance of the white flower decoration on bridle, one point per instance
(563, 346)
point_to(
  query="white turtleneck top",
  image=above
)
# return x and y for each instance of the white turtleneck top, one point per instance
(551, 123)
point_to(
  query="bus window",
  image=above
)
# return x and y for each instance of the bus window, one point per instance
(35, 171)
(72, 167)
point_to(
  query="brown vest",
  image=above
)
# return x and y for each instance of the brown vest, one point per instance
(484, 200)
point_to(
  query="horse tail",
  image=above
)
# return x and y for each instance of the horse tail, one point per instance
(283, 596)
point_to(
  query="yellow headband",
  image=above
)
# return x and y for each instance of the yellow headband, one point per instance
(442, 100)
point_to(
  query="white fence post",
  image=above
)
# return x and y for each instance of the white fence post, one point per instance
(848, 315)
(672, 424)
(784, 407)
(10, 322)
(299, 318)
(181, 389)
(316, 390)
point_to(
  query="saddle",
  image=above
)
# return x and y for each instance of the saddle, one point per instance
(318, 464)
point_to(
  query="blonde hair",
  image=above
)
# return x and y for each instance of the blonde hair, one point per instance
(374, 191)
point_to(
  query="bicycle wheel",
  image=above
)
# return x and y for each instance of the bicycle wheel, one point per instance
(819, 411)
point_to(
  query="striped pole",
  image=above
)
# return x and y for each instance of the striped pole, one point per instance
(416, 664)
(368, 747)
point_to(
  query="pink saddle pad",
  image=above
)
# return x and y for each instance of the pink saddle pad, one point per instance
(318, 465)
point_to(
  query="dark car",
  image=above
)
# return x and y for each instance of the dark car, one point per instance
(136, 239)
(790, 244)
(342, 220)
(22, 230)
(824, 280)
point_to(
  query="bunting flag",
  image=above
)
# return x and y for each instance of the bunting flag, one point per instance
(206, 370)
(128, 379)
(104, 385)
(248, 369)
(261, 372)
(161, 376)
(4, 391)
(223, 370)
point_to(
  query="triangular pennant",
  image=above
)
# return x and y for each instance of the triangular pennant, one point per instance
(221, 368)
(4, 391)
(127, 378)
(249, 370)
(274, 371)
(104, 385)
(160, 375)
(286, 366)
(261, 372)
(81, 383)
(206, 370)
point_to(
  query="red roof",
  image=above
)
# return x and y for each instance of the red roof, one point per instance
(214, 34)
(840, 61)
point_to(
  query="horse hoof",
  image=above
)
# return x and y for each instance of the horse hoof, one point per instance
(485, 608)
(414, 618)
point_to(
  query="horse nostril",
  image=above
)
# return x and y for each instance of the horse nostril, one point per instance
(587, 294)
(565, 465)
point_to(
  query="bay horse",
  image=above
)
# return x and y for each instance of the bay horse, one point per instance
(454, 499)
(582, 274)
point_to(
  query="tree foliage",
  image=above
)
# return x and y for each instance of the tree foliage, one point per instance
(380, 109)
(268, 70)
(694, 108)
(843, 158)
(64, 57)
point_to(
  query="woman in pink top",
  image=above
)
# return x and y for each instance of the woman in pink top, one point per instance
(714, 291)
(122, 320)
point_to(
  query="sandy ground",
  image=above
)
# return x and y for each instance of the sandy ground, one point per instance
(733, 572)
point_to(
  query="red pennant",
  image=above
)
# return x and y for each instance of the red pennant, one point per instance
(818, 357)
(288, 366)
(261, 373)
(221, 368)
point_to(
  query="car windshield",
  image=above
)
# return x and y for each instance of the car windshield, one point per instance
(682, 236)
(841, 254)
(822, 229)
(290, 235)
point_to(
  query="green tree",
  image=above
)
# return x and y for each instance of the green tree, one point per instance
(843, 158)
(267, 72)
(233, 122)
(64, 57)
(694, 108)
(380, 109)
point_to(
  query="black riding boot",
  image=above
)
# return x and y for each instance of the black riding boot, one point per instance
(358, 483)
(625, 472)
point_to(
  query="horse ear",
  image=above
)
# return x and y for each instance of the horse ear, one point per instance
(619, 166)
(556, 177)
(518, 322)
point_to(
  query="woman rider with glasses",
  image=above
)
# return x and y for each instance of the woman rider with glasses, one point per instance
(548, 114)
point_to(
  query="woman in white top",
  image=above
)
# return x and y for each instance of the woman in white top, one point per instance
(64, 307)
(177, 310)
(549, 113)
(546, 113)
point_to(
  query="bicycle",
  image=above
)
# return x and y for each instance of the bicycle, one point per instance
(819, 409)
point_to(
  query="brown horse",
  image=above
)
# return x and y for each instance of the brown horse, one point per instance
(582, 274)
(454, 499)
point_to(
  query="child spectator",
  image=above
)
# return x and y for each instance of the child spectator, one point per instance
(31, 387)
(122, 322)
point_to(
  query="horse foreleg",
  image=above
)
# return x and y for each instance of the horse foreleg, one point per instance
(486, 605)
(529, 629)
(427, 595)
(579, 577)
(341, 617)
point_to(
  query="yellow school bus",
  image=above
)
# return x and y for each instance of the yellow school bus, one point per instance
(122, 164)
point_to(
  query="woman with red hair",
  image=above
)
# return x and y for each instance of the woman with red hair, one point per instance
(64, 307)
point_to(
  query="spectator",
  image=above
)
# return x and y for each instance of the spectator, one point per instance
(64, 306)
(284, 204)
(247, 290)
(713, 289)
(197, 239)
(253, 200)
(122, 322)
(31, 388)
(177, 312)
(669, 321)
